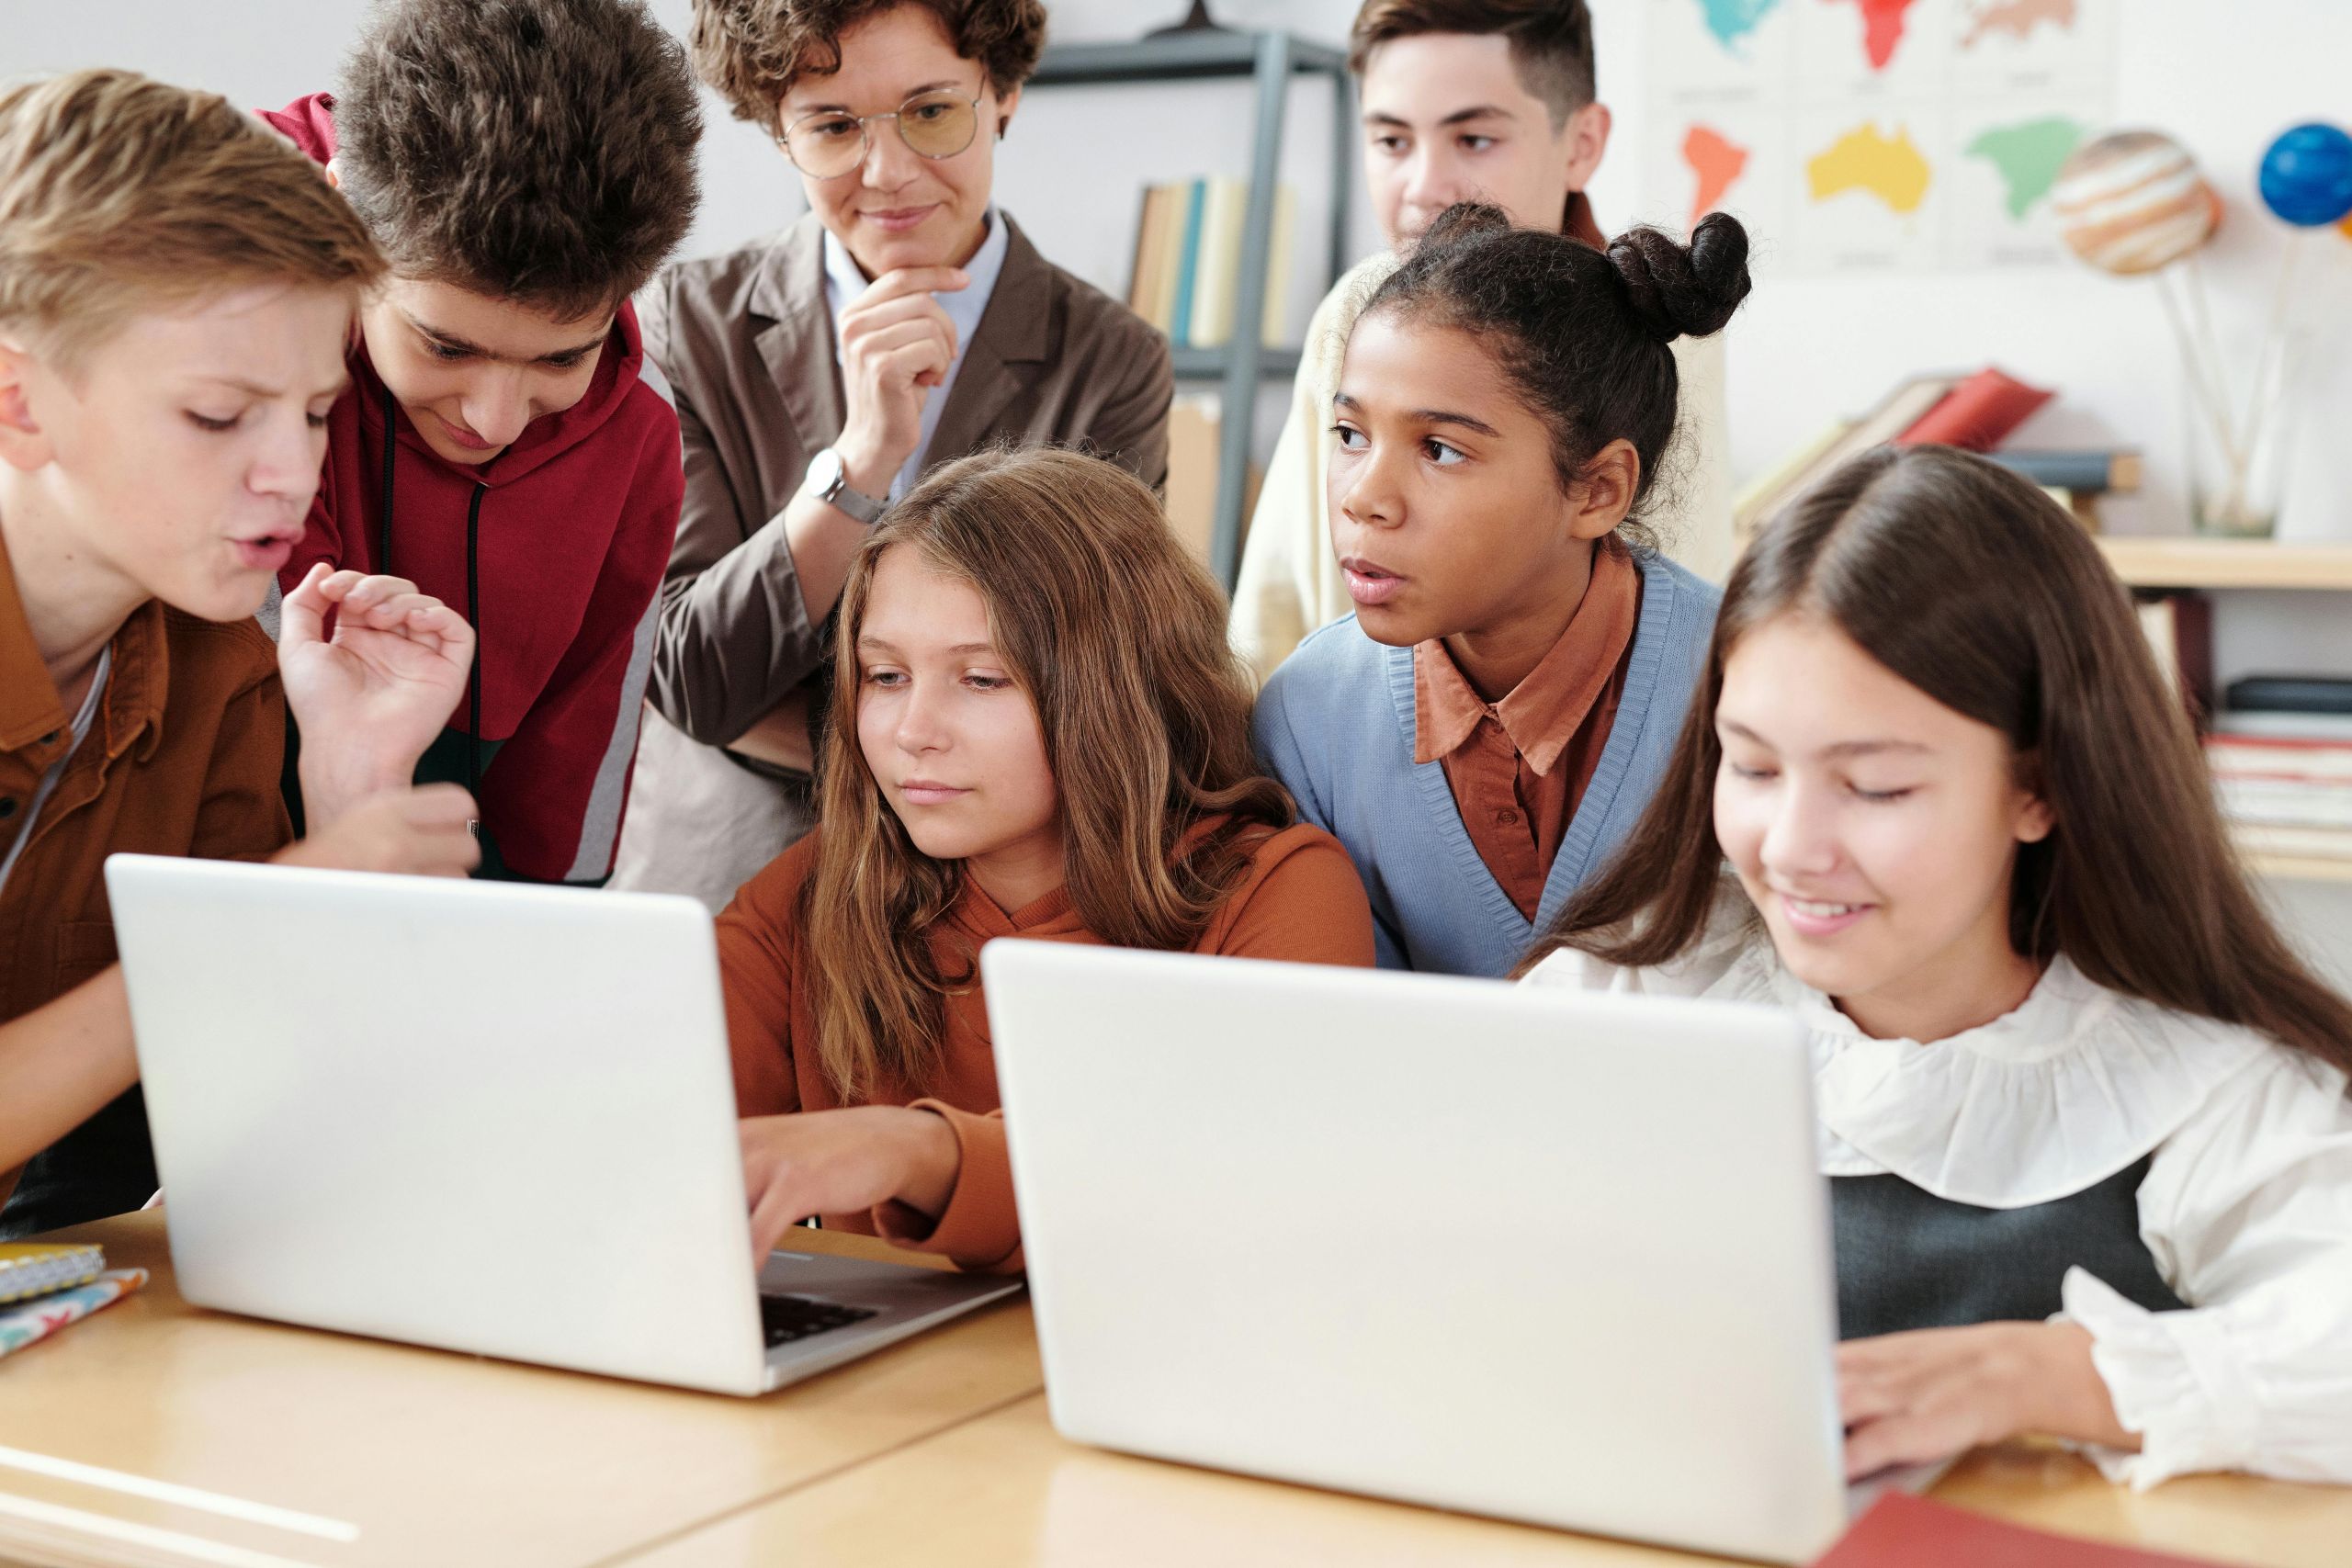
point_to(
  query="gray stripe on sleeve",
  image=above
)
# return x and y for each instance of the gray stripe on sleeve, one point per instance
(600, 824)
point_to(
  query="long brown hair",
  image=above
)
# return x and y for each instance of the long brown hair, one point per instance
(1118, 637)
(1970, 584)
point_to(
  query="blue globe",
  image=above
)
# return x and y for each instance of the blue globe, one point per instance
(2307, 176)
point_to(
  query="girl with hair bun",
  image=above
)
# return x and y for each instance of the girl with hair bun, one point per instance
(1485, 730)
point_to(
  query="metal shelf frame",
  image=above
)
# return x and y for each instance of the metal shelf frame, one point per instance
(1271, 60)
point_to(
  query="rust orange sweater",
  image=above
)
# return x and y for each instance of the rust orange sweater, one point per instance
(1300, 901)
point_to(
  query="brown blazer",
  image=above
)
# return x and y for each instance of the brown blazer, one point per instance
(746, 339)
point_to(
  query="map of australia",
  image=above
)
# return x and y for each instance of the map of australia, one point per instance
(1888, 167)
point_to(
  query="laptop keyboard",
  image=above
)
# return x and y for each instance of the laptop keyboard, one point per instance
(787, 1318)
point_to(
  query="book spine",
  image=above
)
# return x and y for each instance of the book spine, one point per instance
(1278, 267)
(2084, 473)
(1188, 269)
(2282, 693)
(1978, 415)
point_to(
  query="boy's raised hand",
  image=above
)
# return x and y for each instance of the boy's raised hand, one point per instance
(373, 696)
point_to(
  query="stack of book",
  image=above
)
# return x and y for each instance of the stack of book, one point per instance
(1187, 275)
(2281, 757)
(45, 1286)
(1977, 413)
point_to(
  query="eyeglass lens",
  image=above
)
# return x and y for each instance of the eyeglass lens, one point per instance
(932, 125)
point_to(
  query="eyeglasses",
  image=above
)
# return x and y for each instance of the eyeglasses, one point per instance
(830, 144)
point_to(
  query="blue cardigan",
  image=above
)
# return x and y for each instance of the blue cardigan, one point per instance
(1335, 724)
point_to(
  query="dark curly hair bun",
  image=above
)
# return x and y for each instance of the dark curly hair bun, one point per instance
(1581, 333)
(1678, 289)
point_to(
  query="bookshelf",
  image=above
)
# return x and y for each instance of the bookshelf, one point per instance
(2256, 564)
(2227, 563)
(2295, 868)
(1271, 60)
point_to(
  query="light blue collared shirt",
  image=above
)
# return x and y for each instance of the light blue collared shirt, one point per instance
(844, 282)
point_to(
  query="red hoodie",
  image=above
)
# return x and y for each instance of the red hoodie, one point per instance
(555, 550)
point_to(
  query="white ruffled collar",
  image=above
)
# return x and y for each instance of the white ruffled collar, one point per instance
(2070, 1087)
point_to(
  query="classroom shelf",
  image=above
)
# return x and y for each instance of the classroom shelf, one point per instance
(2227, 563)
(2295, 868)
(1209, 364)
(1272, 61)
(1177, 55)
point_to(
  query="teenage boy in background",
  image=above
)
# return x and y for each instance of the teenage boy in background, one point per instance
(175, 289)
(525, 166)
(1462, 100)
(906, 320)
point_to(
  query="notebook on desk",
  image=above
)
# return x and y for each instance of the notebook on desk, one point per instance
(1911, 1532)
(35, 1268)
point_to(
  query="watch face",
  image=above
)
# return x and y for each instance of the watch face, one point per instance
(824, 472)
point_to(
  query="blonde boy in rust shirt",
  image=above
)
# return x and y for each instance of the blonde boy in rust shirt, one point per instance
(177, 283)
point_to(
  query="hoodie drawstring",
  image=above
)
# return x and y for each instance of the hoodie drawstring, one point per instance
(473, 591)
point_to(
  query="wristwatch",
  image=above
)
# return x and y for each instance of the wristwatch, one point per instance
(829, 482)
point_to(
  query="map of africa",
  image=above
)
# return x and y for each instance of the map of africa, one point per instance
(1875, 134)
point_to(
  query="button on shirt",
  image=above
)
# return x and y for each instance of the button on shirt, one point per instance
(1517, 767)
(844, 283)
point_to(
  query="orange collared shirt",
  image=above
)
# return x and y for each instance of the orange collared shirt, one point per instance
(1519, 766)
(181, 759)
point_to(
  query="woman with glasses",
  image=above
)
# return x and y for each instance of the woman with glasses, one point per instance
(903, 322)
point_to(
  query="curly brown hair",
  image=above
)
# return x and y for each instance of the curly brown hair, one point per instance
(749, 52)
(541, 151)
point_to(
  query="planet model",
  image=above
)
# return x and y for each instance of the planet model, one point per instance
(2306, 176)
(2132, 201)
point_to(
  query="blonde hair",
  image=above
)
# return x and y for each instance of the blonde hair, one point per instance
(1118, 636)
(120, 196)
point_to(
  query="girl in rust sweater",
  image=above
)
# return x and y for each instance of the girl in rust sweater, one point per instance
(1037, 732)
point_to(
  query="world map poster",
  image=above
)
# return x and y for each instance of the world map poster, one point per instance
(1874, 135)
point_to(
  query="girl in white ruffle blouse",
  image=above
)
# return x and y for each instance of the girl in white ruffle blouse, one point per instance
(2083, 1110)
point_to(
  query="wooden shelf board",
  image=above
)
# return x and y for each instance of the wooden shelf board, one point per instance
(2227, 563)
(2298, 868)
(1207, 364)
(1173, 56)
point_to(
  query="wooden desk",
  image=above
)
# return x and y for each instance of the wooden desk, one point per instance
(308, 1448)
(320, 1449)
(1003, 1490)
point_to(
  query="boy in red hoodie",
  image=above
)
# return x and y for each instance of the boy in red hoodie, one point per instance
(504, 444)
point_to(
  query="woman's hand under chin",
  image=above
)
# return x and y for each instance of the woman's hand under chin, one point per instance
(842, 1162)
(1935, 1393)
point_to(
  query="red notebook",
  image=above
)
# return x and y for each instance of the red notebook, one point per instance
(1903, 1531)
(1977, 415)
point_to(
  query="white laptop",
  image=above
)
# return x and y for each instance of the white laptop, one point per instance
(1553, 1256)
(492, 1118)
